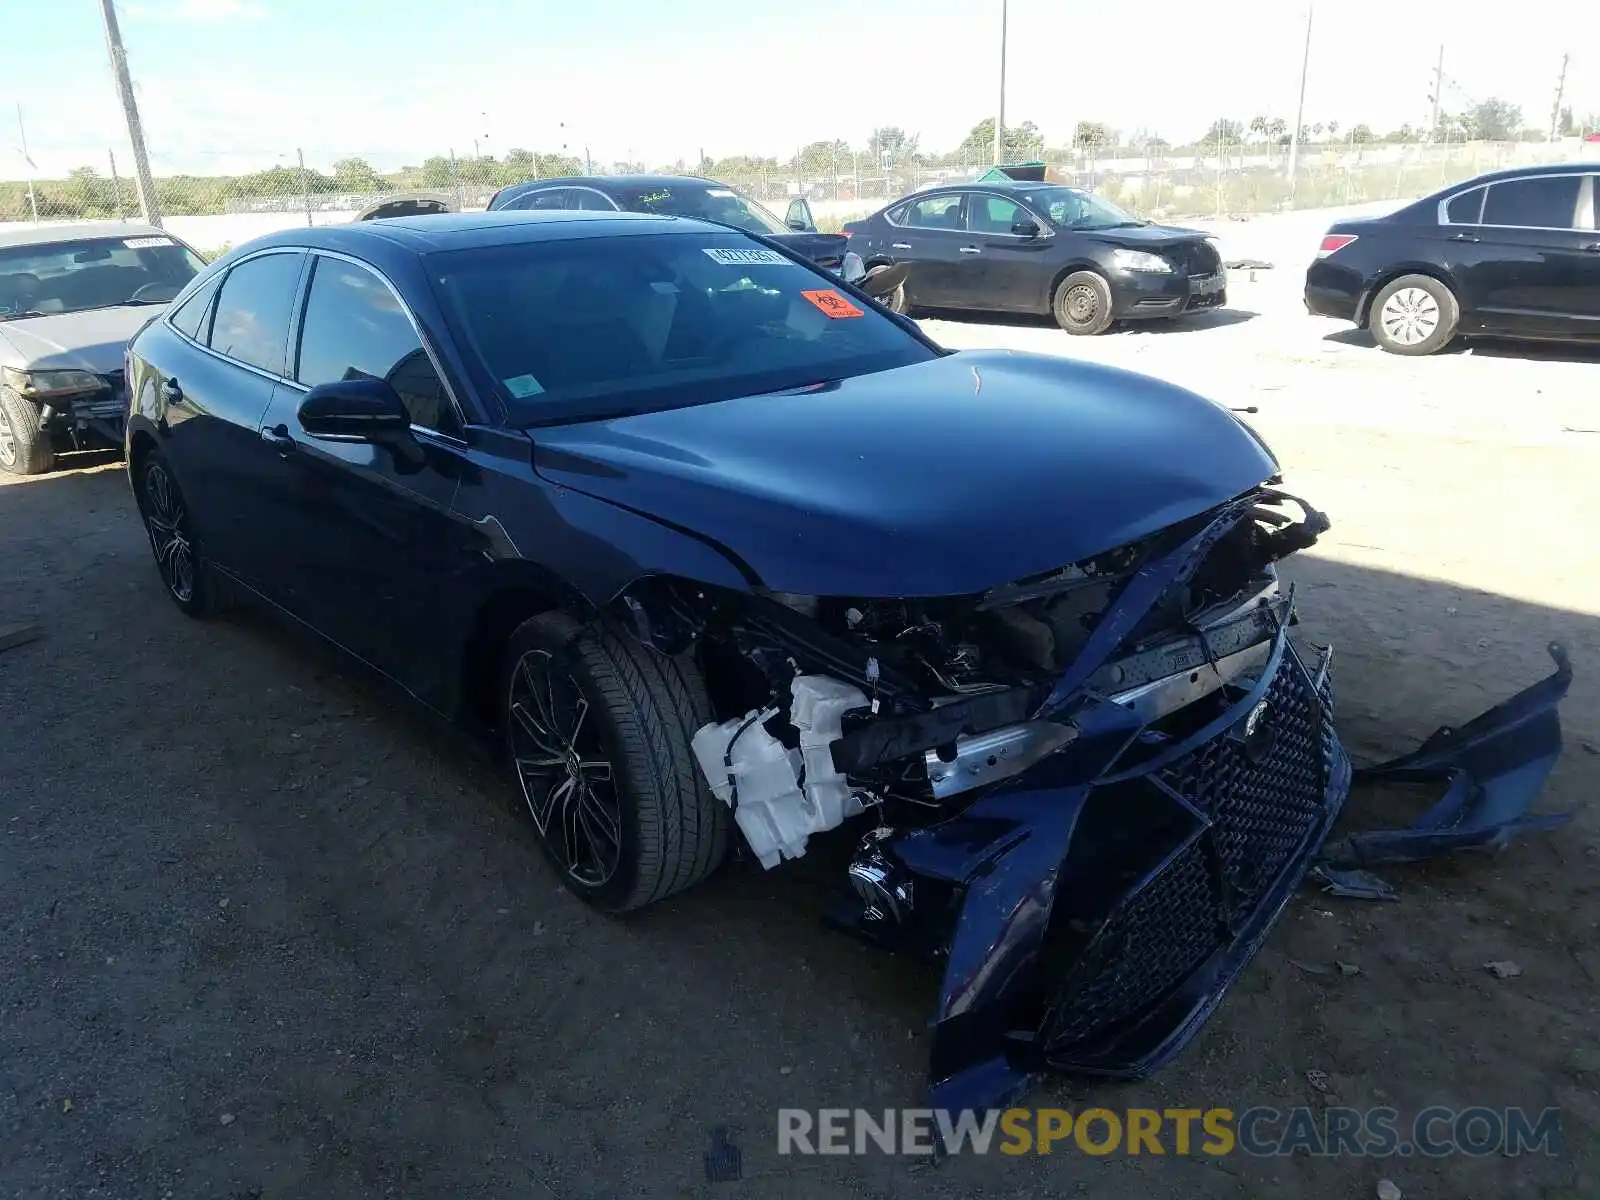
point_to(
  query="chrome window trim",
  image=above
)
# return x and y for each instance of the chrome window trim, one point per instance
(166, 317)
(416, 328)
(546, 189)
(961, 198)
(594, 192)
(1480, 223)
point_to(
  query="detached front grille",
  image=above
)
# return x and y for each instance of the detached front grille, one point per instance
(1262, 795)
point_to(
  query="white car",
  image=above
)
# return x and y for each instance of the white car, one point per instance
(71, 296)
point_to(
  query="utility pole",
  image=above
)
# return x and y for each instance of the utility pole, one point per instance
(1438, 91)
(33, 198)
(1300, 108)
(1561, 91)
(1000, 113)
(143, 184)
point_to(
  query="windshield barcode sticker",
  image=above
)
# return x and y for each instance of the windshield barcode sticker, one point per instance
(748, 258)
(144, 243)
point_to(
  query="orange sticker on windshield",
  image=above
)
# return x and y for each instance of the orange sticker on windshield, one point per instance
(832, 303)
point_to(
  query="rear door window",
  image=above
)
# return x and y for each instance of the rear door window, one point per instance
(550, 198)
(1540, 202)
(936, 212)
(590, 201)
(252, 319)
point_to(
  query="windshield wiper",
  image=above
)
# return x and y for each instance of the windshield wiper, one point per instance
(25, 313)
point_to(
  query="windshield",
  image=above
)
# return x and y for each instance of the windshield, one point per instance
(597, 327)
(713, 203)
(1068, 208)
(62, 277)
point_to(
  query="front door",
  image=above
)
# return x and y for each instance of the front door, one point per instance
(1534, 276)
(930, 238)
(1000, 268)
(369, 528)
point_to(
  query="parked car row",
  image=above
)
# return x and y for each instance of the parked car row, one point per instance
(1513, 253)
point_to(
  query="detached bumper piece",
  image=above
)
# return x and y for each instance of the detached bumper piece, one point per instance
(1096, 926)
(1495, 766)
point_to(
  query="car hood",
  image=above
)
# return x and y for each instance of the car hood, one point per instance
(943, 478)
(92, 340)
(1141, 236)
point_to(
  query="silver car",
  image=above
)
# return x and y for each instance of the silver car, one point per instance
(71, 296)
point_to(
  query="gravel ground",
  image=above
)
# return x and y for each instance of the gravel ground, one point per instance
(266, 933)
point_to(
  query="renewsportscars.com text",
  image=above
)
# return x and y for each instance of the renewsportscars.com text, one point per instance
(1259, 1132)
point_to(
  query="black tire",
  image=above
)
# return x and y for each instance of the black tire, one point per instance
(1082, 304)
(656, 829)
(183, 569)
(1423, 319)
(25, 449)
(894, 301)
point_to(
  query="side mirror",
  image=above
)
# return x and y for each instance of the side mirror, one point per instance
(852, 269)
(355, 410)
(1025, 227)
(798, 217)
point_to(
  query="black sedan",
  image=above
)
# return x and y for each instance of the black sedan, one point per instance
(710, 546)
(1512, 254)
(678, 196)
(1027, 247)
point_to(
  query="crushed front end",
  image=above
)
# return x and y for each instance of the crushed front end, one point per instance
(1087, 795)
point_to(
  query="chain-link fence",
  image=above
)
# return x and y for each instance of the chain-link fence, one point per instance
(213, 211)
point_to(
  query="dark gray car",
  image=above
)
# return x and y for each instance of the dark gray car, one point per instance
(71, 296)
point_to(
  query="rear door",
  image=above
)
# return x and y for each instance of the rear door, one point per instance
(369, 542)
(1533, 276)
(999, 268)
(214, 397)
(930, 236)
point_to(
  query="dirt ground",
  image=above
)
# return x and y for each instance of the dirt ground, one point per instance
(265, 933)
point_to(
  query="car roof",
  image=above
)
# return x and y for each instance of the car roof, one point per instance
(1568, 168)
(76, 231)
(430, 232)
(608, 184)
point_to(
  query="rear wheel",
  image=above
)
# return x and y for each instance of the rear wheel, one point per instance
(25, 448)
(598, 731)
(1082, 304)
(1414, 315)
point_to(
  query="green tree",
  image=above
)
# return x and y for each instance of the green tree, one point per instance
(1021, 142)
(437, 172)
(1361, 135)
(356, 175)
(893, 141)
(1493, 120)
(1092, 135)
(1222, 134)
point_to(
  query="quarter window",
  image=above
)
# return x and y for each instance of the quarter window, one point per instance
(936, 212)
(1466, 208)
(252, 321)
(190, 319)
(354, 328)
(590, 201)
(550, 198)
(1542, 202)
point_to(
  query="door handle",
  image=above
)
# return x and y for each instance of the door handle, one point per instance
(900, 245)
(171, 392)
(278, 437)
(970, 250)
(1464, 237)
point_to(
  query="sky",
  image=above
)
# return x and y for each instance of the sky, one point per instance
(228, 85)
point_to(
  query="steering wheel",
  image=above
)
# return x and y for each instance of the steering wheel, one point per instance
(153, 291)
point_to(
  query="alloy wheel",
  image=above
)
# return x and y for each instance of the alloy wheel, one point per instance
(8, 440)
(567, 780)
(167, 522)
(1409, 317)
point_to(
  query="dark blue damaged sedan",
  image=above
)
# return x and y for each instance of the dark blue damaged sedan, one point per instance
(719, 552)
